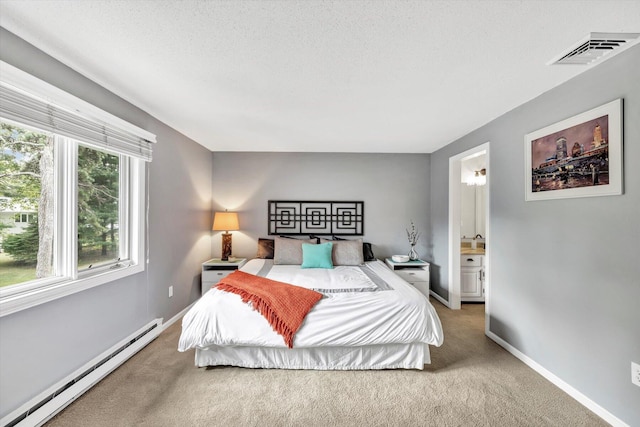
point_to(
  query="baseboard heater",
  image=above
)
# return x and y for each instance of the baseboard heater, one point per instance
(47, 404)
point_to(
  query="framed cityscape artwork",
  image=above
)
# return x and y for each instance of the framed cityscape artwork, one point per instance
(577, 157)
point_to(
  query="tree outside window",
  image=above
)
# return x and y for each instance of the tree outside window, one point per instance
(26, 183)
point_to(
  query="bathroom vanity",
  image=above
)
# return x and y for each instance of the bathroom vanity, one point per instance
(472, 275)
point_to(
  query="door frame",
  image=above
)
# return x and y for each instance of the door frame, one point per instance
(454, 226)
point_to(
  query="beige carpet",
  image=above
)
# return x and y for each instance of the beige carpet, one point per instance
(471, 382)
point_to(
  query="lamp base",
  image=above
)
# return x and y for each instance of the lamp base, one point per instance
(226, 246)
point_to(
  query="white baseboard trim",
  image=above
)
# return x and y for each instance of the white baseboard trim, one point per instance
(439, 298)
(64, 392)
(177, 317)
(584, 400)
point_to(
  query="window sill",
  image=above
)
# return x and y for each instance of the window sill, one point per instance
(14, 303)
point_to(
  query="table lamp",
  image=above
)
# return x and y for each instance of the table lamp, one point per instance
(225, 221)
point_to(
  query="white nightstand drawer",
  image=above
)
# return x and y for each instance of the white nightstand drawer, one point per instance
(423, 287)
(215, 275)
(215, 270)
(471, 261)
(412, 275)
(206, 286)
(212, 277)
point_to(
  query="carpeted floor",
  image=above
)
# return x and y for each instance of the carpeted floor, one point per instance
(471, 382)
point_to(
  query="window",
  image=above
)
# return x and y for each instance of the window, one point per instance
(98, 208)
(22, 163)
(25, 218)
(72, 187)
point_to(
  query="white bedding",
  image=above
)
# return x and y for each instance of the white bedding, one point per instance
(355, 311)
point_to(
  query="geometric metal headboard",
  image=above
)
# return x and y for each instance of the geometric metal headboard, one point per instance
(295, 218)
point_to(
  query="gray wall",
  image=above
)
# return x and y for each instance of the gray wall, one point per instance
(41, 345)
(565, 276)
(394, 188)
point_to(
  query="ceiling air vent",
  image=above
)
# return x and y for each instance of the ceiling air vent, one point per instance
(596, 46)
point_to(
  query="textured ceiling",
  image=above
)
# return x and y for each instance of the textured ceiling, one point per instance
(344, 76)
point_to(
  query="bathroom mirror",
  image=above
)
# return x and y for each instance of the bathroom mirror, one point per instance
(473, 198)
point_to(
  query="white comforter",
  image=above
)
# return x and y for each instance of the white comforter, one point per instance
(353, 318)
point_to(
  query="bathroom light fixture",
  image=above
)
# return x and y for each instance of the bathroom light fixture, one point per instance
(226, 221)
(479, 178)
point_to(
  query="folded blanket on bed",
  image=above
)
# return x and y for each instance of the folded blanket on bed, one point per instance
(283, 305)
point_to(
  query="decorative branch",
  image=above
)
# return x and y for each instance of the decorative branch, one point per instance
(413, 235)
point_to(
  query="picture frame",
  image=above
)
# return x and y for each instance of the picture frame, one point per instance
(577, 157)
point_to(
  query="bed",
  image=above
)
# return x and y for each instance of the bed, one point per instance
(367, 318)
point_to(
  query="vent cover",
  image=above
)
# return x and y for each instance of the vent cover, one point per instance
(595, 46)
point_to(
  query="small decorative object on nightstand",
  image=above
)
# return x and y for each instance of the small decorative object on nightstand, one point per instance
(413, 237)
(415, 272)
(215, 269)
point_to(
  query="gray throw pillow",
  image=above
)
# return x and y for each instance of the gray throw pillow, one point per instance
(346, 252)
(289, 251)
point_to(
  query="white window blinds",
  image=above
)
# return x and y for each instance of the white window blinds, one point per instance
(107, 132)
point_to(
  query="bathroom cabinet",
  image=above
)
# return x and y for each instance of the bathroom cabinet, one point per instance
(472, 278)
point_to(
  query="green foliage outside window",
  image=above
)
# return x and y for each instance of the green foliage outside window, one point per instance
(23, 247)
(27, 184)
(98, 209)
(26, 157)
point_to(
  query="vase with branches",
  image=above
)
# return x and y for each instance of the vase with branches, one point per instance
(413, 237)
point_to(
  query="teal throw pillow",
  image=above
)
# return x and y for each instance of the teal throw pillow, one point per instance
(317, 256)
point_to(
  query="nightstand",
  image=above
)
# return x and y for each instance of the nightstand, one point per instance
(215, 269)
(415, 272)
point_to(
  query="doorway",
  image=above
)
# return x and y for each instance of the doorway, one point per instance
(455, 218)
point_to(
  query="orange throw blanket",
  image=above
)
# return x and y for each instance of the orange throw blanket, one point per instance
(283, 305)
